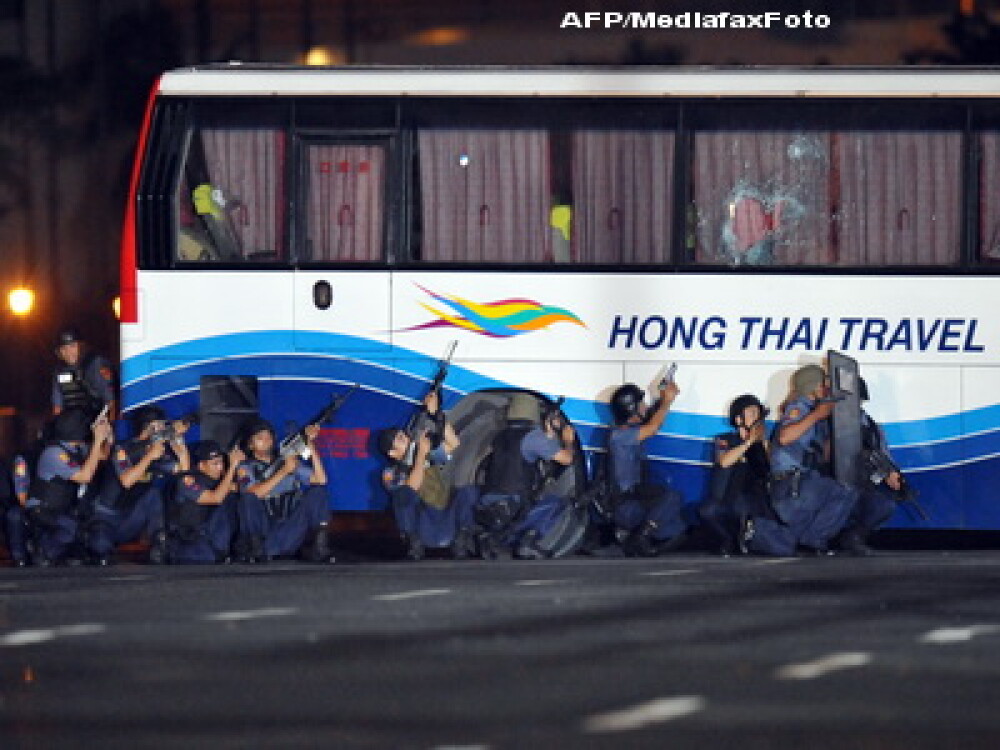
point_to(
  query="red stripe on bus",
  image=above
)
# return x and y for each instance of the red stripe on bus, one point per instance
(128, 291)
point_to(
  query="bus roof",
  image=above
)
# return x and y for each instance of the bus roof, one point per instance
(239, 79)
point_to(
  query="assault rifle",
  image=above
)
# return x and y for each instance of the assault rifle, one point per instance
(420, 421)
(170, 431)
(877, 466)
(296, 443)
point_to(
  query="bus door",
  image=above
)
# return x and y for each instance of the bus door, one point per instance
(341, 300)
(342, 304)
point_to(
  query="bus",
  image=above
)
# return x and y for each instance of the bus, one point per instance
(292, 232)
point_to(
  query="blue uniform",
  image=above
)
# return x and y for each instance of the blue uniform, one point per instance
(736, 492)
(201, 533)
(431, 526)
(637, 502)
(285, 519)
(121, 514)
(545, 512)
(55, 516)
(812, 508)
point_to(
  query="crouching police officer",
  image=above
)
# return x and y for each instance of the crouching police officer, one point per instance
(131, 497)
(738, 486)
(813, 508)
(650, 513)
(514, 507)
(286, 511)
(13, 496)
(427, 511)
(203, 512)
(66, 467)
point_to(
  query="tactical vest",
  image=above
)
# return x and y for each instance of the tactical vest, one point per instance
(187, 518)
(76, 392)
(278, 506)
(508, 473)
(57, 496)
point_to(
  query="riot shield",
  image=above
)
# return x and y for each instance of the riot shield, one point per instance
(845, 385)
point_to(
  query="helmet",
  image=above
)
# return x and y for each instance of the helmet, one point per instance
(67, 336)
(386, 439)
(740, 403)
(206, 450)
(522, 407)
(625, 402)
(144, 416)
(807, 379)
(72, 425)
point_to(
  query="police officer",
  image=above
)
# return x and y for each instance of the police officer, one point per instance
(878, 501)
(66, 467)
(14, 488)
(650, 513)
(427, 512)
(203, 514)
(738, 486)
(131, 496)
(82, 379)
(513, 507)
(285, 497)
(813, 507)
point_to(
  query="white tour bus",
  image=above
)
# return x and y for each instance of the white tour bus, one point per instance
(291, 232)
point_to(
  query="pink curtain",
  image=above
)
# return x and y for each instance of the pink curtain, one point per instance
(485, 195)
(622, 196)
(989, 201)
(248, 165)
(345, 208)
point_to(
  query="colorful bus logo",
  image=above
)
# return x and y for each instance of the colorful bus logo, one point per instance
(499, 319)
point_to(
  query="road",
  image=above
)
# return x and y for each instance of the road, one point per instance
(901, 650)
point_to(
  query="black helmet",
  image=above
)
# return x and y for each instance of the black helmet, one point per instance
(144, 416)
(625, 402)
(386, 439)
(740, 403)
(72, 425)
(206, 450)
(67, 336)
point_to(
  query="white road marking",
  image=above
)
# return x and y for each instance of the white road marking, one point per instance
(251, 614)
(136, 577)
(778, 560)
(541, 582)
(957, 635)
(43, 635)
(410, 595)
(653, 712)
(810, 670)
(679, 572)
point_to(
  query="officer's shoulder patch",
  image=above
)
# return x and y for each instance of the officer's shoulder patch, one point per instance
(188, 480)
(121, 455)
(105, 373)
(242, 472)
(388, 476)
(793, 413)
(64, 457)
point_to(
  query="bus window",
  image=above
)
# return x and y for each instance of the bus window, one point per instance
(622, 196)
(856, 195)
(485, 196)
(989, 191)
(345, 209)
(231, 195)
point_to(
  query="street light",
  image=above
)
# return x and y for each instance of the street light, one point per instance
(21, 300)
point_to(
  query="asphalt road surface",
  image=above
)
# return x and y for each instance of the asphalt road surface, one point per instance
(901, 650)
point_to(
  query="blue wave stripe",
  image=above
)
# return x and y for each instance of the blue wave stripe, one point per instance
(177, 368)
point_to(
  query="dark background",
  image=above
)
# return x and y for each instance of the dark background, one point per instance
(75, 75)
